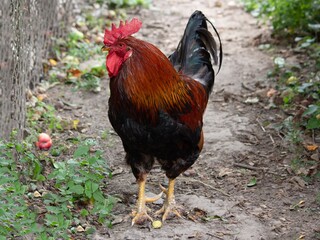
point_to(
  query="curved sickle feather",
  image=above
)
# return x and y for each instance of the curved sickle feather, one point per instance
(220, 48)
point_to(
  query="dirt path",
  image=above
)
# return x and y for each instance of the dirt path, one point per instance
(214, 192)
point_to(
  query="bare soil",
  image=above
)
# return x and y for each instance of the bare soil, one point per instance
(214, 193)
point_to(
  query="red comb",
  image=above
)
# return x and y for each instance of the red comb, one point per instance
(124, 30)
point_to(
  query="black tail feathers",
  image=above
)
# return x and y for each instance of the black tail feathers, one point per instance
(197, 51)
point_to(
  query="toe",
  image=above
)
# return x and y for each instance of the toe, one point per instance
(140, 218)
(172, 210)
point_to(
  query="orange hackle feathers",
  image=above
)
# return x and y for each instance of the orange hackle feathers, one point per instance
(124, 30)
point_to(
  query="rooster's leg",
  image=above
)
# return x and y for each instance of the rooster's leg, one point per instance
(169, 205)
(141, 214)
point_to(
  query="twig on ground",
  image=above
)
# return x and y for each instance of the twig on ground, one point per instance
(264, 170)
(206, 185)
(217, 100)
(241, 165)
(272, 140)
(215, 236)
(280, 135)
(263, 129)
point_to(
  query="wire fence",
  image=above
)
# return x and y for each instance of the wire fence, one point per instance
(26, 30)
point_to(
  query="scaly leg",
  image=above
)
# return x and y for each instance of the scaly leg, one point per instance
(141, 215)
(169, 205)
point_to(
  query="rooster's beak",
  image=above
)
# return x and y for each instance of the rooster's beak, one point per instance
(105, 49)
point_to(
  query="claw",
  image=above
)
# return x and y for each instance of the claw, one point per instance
(169, 205)
(166, 210)
(140, 217)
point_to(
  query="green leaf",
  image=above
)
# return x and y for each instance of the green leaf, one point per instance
(279, 61)
(313, 123)
(59, 165)
(81, 151)
(19, 148)
(37, 169)
(98, 196)
(92, 160)
(77, 189)
(89, 188)
(303, 88)
(84, 212)
(252, 182)
(311, 109)
(53, 209)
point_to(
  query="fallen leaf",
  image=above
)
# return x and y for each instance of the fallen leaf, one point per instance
(280, 62)
(300, 204)
(41, 97)
(271, 92)
(71, 60)
(252, 100)
(197, 214)
(252, 182)
(292, 80)
(53, 62)
(214, 217)
(311, 147)
(117, 171)
(37, 194)
(224, 172)
(117, 220)
(75, 72)
(80, 229)
(75, 124)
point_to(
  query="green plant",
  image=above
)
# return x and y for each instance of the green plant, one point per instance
(127, 3)
(71, 192)
(78, 179)
(90, 82)
(290, 17)
(299, 88)
(17, 164)
(313, 114)
(43, 116)
(291, 131)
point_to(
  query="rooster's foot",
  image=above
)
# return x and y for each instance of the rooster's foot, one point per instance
(140, 217)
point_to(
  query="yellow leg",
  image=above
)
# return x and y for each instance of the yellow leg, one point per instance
(169, 205)
(140, 215)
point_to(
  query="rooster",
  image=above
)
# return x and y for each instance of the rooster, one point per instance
(156, 103)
